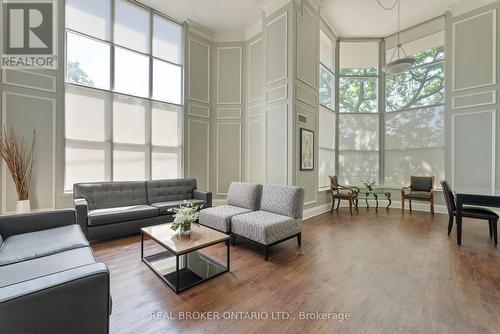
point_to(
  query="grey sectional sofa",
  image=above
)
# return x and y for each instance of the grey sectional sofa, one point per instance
(113, 209)
(267, 214)
(50, 281)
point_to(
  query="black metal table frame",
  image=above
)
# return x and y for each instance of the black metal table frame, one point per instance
(175, 287)
(375, 197)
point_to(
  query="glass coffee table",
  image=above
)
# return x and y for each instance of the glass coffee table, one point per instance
(375, 195)
(182, 264)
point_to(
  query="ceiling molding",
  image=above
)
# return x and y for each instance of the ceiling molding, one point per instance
(469, 5)
(229, 37)
(200, 30)
(270, 6)
(253, 30)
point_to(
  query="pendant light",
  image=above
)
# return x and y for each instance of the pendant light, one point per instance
(400, 64)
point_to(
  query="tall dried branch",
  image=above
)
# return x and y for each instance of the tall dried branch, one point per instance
(19, 155)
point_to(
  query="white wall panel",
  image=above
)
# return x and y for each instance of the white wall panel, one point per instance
(256, 67)
(198, 152)
(474, 156)
(28, 113)
(277, 49)
(199, 71)
(277, 145)
(229, 75)
(256, 150)
(474, 51)
(228, 165)
(307, 48)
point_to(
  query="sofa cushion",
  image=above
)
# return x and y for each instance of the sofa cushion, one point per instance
(45, 265)
(244, 195)
(27, 246)
(170, 190)
(1, 241)
(101, 195)
(283, 200)
(219, 217)
(265, 227)
(163, 207)
(121, 214)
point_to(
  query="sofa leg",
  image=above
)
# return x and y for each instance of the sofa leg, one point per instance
(410, 205)
(233, 239)
(299, 239)
(267, 253)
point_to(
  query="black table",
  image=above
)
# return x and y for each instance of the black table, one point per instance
(472, 199)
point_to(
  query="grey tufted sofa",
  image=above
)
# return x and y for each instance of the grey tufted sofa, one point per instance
(112, 209)
(50, 281)
(267, 214)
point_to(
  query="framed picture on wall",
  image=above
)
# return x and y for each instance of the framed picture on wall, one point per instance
(306, 149)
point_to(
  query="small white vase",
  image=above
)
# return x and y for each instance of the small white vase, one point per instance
(23, 206)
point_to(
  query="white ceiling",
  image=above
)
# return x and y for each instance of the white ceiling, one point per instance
(365, 18)
(220, 16)
(349, 18)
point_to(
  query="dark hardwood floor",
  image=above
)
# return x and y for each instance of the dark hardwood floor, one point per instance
(393, 273)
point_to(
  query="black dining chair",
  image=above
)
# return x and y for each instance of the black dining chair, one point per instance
(470, 212)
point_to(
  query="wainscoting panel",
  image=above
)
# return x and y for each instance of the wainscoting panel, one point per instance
(227, 113)
(256, 150)
(277, 145)
(199, 71)
(474, 41)
(256, 67)
(228, 166)
(277, 47)
(229, 75)
(198, 152)
(277, 94)
(307, 95)
(28, 113)
(198, 110)
(473, 162)
(256, 110)
(29, 79)
(307, 48)
(474, 100)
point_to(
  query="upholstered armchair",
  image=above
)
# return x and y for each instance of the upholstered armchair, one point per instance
(343, 193)
(421, 189)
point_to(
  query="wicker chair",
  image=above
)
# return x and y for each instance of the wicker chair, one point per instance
(343, 193)
(421, 189)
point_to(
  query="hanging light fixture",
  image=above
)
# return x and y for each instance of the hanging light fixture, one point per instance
(400, 64)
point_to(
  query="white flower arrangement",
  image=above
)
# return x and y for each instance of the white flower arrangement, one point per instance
(185, 215)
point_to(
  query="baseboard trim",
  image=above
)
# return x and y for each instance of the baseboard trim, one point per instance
(416, 206)
(316, 210)
(325, 207)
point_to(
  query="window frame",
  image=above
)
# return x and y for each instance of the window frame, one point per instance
(333, 72)
(108, 144)
(410, 109)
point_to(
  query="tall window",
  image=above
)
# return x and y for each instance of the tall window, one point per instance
(359, 115)
(123, 100)
(414, 119)
(327, 117)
